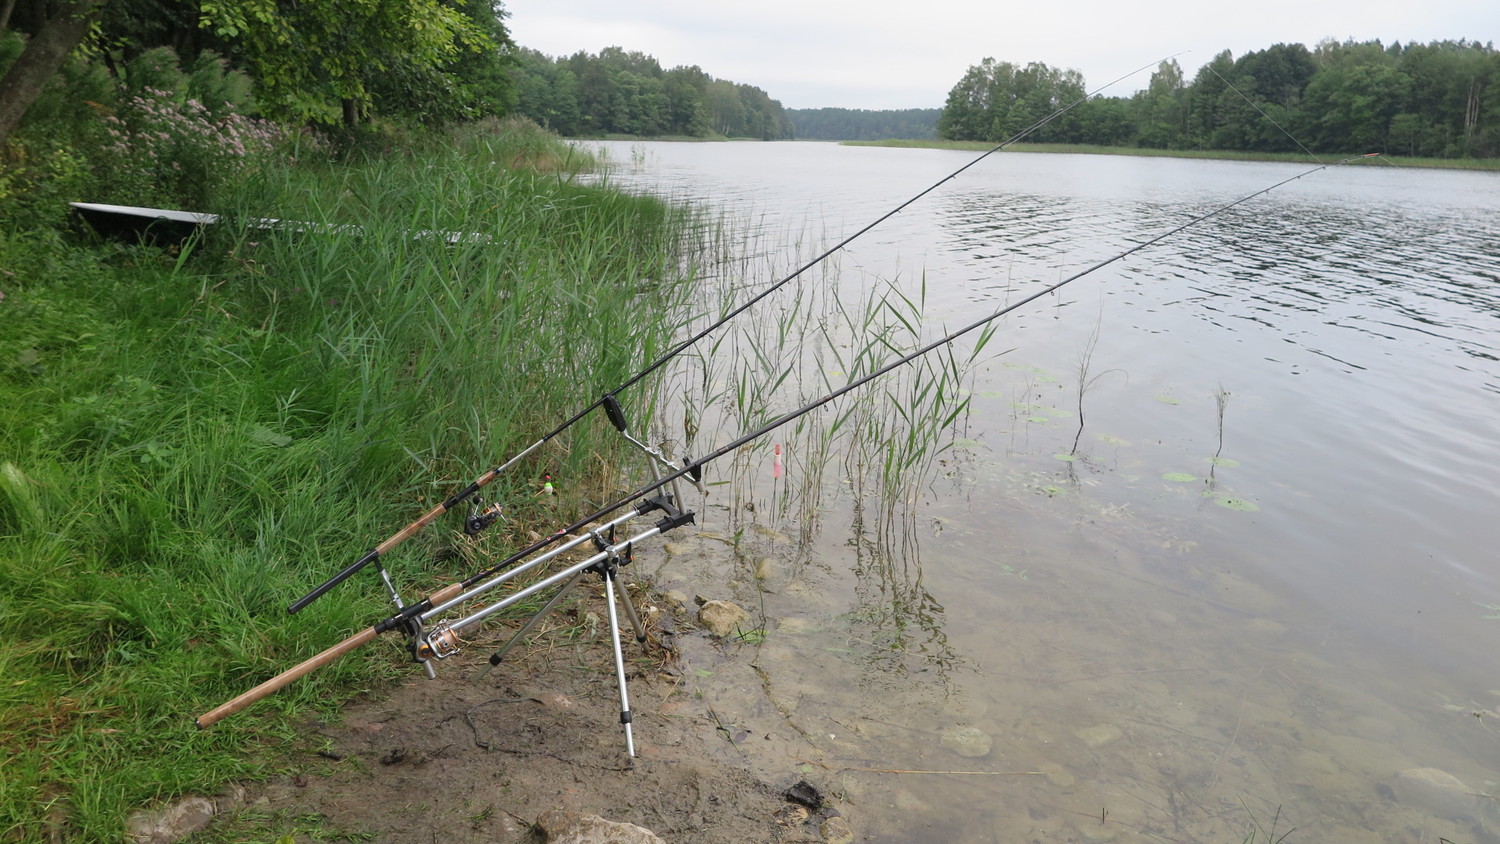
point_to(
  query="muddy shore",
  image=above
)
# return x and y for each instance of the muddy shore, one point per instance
(476, 757)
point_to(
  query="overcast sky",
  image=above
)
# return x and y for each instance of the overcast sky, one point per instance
(880, 54)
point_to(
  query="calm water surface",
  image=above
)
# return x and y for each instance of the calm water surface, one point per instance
(1265, 578)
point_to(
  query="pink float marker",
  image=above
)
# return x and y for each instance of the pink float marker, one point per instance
(776, 461)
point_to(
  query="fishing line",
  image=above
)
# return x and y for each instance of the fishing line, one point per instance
(1262, 112)
(695, 467)
(443, 639)
(479, 483)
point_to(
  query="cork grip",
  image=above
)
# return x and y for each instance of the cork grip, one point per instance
(285, 678)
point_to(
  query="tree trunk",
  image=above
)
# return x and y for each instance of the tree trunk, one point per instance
(44, 56)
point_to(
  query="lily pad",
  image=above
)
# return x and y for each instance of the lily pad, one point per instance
(1240, 504)
(1113, 440)
(1179, 477)
(1066, 458)
(1167, 400)
(1227, 462)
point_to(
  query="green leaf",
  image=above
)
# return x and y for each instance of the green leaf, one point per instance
(1239, 504)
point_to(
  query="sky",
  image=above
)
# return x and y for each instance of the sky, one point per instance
(879, 54)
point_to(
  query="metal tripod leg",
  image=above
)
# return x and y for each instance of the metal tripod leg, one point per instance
(614, 635)
(630, 613)
(535, 620)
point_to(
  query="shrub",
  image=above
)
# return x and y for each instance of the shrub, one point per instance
(163, 150)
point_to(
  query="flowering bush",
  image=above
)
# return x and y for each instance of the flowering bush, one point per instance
(167, 151)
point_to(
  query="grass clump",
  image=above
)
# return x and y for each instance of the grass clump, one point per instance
(189, 440)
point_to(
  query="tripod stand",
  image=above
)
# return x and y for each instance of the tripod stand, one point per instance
(608, 569)
(607, 564)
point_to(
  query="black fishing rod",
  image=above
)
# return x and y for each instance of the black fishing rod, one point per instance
(374, 554)
(442, 639)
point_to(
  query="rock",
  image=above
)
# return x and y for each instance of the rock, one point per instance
(1056, 775)
(721, 618)
(804, 794)
(1435, 791)
(563, 827)
(170, 824)
(836, 830)
(967, 741)
(555, 700)
(764, 567)
(792, 816)
(1100, 735)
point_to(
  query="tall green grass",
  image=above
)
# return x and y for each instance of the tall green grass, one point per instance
(190, 440)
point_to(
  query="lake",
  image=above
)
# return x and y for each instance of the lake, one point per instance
(1208, 554)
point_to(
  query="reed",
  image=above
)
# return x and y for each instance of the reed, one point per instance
(190, 441)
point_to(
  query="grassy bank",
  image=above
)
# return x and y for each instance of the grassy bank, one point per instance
(1226, 155)
(191, 439)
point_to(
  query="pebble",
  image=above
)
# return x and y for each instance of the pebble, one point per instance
(836, 831)
(967, 741)
(169, 824)
(1100, 735)
(1056, 775)
(555, 700)
(562, 827)
(764, 567)
(721, 618)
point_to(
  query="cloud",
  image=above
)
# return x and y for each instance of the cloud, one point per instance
(879, 54)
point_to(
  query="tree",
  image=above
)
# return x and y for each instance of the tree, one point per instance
(316, 61)
(1161, 108)
(42, 58)
(966, 114)
(996, 100)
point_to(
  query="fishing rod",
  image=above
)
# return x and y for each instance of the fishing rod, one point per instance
(442, 639)
(374, 554)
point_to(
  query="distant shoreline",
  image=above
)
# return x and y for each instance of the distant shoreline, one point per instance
(1491, 165)
(1481, 164)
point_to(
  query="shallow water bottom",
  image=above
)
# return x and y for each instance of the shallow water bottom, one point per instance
(1066, 674)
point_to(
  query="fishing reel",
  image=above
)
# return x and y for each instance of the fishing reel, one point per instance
(440, 642)
(481, 517)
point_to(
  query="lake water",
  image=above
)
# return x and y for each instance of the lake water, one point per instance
(1245, 580)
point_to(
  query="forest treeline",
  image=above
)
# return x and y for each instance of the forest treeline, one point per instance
(860, 124)
(1439, 100)
(628, 93)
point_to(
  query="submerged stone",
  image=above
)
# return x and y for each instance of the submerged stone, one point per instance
(1435, 791)
(1100, 735)
(968, 741)
(721, 617)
